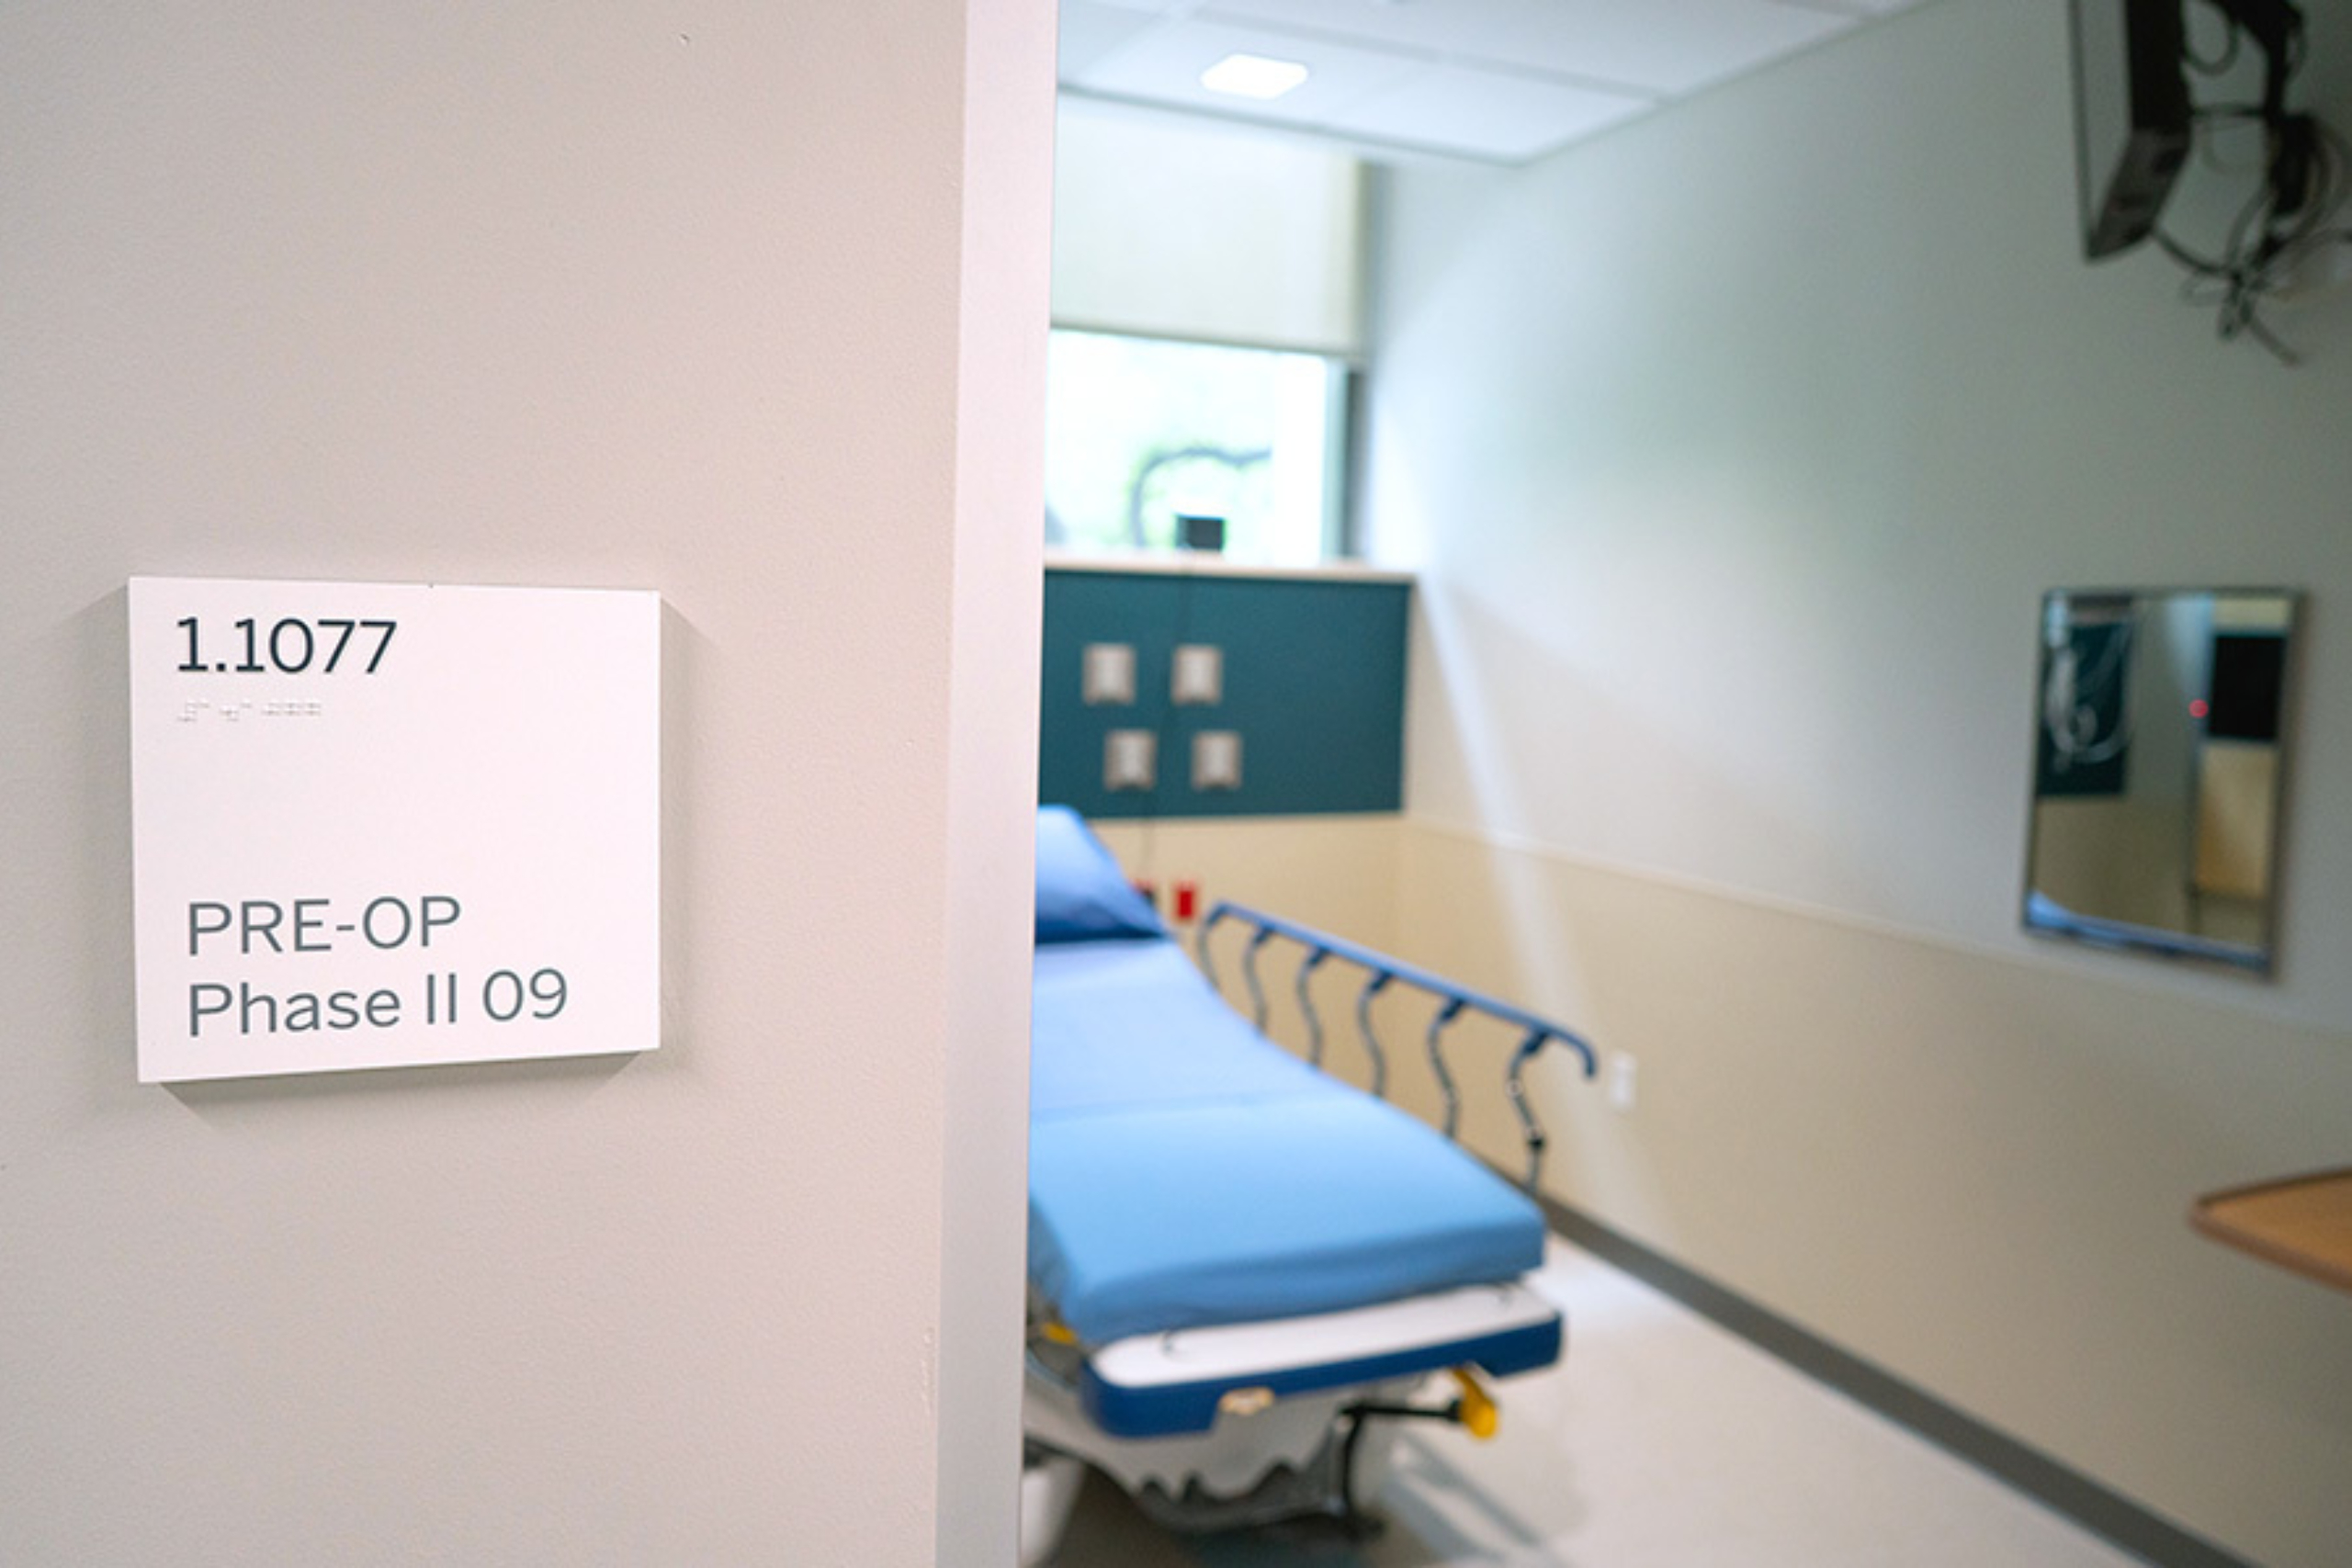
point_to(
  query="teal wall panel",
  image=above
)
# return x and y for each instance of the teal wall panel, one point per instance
(1314, 682)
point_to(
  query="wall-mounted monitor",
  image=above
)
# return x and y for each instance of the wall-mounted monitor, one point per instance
(2132, 116)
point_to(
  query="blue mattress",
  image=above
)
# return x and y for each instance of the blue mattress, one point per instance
(1184, 1172)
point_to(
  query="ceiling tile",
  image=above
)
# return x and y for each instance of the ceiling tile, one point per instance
(1164, 66)
(1504, 117)
(1665, 46)
(1496, 79)
(1089, 32)
(1854, 7)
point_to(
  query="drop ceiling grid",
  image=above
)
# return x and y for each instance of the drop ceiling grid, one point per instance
(1498, 80)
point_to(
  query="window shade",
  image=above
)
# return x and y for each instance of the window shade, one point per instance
(1173, 231)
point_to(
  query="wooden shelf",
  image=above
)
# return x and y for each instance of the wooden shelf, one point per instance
(2303, 1223)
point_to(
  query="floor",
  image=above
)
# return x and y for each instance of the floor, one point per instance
(1660, 1442)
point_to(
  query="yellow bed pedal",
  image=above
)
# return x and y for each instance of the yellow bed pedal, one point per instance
(1476, 1410)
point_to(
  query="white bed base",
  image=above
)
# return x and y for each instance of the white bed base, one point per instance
(1267, 1455)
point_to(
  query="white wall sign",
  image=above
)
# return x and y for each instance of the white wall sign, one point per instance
(382, 825)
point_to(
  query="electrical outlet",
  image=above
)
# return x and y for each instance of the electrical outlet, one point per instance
(1130, 759)
(1108, 673)
(1197, 678)
(1216, 759)
(1623, 1077)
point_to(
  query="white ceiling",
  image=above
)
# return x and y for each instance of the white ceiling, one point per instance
(1501, 81)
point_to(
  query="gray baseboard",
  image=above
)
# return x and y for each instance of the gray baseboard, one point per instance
(2103, 1512)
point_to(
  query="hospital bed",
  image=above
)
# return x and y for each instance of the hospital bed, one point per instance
(1243, 1271)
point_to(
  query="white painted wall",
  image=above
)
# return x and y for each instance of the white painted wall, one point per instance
(1734, 450)
(1813, 371)
(998, 609)
(739, 303)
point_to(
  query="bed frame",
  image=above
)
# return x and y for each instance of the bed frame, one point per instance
(1230, 1425)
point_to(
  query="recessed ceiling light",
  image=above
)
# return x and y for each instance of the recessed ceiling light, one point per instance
(1253, 76)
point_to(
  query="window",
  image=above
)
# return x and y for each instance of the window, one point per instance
(1141, 430)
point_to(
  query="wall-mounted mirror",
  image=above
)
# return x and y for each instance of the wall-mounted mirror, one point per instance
(2159, 767)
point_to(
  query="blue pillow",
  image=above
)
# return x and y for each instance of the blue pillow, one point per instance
(1082, 895)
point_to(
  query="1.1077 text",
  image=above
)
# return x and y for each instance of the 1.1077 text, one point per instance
(287, 647)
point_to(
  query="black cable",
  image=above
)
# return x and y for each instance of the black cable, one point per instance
(2291, 216)
(2247, 322)
(2186, 258)
(2232, 39)
(2302, 186)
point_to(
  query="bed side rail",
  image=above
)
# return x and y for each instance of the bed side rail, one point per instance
(1381, 971)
